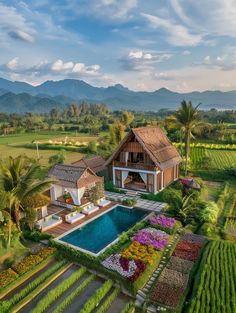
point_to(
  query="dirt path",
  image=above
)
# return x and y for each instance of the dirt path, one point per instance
(118, 304)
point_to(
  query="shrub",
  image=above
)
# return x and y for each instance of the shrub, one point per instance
(92, 302)
(55, 293)
(129, 307)
(46, 252)
(27, 264)
(7, 276)
(129, 202)
(36, 235)
(109, 186)
(105, 305)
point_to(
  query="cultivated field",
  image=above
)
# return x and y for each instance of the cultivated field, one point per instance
(215, 289)
(13, 145)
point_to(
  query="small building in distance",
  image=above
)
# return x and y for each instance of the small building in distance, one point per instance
(145, 161)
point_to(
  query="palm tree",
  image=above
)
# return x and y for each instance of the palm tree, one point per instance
(18, 178)
(187, 118)
(5, 215)
(183, 208)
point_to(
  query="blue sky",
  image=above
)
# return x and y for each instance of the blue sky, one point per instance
(182, 45)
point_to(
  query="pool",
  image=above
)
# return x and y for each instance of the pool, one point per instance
(102, 231)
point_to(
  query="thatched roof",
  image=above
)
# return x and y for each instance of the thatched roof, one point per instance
(96, 163)
(155, 143)
(72, 176)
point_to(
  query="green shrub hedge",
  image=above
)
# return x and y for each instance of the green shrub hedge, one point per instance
(35, 235)
(106, 304)
(129, 307)
(92, 302)
(54, 294)
(63, 305)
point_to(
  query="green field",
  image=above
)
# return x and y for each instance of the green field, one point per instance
(215, 287)
(218, 159)
(11, 145)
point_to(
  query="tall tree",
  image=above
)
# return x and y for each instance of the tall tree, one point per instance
(187, 118)
(18, 178)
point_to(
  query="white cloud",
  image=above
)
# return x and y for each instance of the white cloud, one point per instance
(212, 17)
(186, 52)
(14, 24)
(12, 64)
(139, 60)
(176, 34)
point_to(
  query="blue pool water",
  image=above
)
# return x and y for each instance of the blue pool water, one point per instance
(99, 233)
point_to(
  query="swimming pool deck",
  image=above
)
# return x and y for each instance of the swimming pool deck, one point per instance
(65, 227)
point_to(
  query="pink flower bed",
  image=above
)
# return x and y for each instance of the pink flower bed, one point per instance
(130, 269)
(163, 221)
(152, 237)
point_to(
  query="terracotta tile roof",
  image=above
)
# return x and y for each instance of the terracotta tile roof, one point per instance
(96, 163)
(72, 176)
(155, 143)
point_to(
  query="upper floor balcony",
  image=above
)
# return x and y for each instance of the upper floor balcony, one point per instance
(136, 166)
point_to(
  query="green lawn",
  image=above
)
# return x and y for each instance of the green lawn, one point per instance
(11, 145)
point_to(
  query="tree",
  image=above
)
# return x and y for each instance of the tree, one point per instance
(187, 118)
(18, 178)
(117, 132)
(127, 118)
(96, 192)
(92, 147)
(58, 158)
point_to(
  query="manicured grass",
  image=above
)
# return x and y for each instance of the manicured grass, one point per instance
(11, 146)
(215, 288)
(221, 158)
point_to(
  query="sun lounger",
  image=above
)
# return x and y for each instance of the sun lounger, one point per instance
(48, 222)
(90, 209)
(103, 202)
(74, 217)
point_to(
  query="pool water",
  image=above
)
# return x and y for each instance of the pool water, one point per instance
(99, 233)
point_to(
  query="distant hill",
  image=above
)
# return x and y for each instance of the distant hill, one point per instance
(21, 97)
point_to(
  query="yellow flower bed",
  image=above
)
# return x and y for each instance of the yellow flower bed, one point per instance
(7, 276)
(137, 251)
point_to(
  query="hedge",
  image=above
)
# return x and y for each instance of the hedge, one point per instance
(129, 307)
(63, 305)
(92, 302)
(54, 294)
(27, 263)
(30, 287)
(106, 304)
(35, 235)
(7, 276)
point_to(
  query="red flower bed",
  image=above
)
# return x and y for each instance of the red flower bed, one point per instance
(166, 294)
(187, 250)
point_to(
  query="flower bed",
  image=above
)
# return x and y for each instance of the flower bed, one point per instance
(166, 294)
(27, 263)
(7, 276)
(180, 265)
(152, 237)
(193, 238)
(174, 278)
(130, 269)
(162, 220)
(46, 252)
(137, 251)
(187, 250)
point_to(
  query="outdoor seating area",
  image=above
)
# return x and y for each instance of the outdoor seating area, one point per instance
(90, 209)
(48, 222)
(74, 217)
(103, 202)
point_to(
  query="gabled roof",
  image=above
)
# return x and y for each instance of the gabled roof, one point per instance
(72, 176)
(156, 144)
(96, 163)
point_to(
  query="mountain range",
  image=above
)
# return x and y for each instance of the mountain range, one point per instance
(22, 97)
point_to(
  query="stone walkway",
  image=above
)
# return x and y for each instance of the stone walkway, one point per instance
(152, 206)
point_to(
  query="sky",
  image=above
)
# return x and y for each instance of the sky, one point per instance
(182, 45)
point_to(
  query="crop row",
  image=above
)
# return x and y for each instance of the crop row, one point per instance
(215, 288)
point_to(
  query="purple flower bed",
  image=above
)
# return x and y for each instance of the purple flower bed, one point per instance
(152, 237)
(163, 221)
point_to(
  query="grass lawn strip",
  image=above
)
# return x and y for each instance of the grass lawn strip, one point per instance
(108, 301)
(63, 305)
(94, 300)
(4, 291)
(54, 294)
(41, 287)
(31, 286)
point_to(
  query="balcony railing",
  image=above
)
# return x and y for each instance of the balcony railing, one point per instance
(137, 166)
